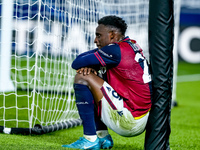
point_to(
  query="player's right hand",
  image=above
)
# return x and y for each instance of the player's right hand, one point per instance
(86, 71)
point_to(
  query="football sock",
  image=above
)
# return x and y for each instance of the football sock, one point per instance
(90, 138)
(102, 133)
(85, 105)
(101, 128)
(99, 124)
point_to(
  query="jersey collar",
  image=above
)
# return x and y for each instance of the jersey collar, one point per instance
(125, 39)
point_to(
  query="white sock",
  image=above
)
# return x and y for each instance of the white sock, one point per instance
(102, 133)
(90, 138)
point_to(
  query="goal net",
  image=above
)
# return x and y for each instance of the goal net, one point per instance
(39, 41)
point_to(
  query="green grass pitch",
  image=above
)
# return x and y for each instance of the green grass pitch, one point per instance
(185, 124)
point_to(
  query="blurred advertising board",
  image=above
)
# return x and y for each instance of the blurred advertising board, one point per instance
(189, 35)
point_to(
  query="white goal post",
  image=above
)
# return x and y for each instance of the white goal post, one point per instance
(36, 93)
(5, 61)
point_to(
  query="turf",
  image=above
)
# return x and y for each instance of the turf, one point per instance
(185, 124)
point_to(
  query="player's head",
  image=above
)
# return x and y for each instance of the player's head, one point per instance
(110, 29)
(114, 22)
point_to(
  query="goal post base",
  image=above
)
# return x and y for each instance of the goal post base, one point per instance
(6, 84)
(39, 129)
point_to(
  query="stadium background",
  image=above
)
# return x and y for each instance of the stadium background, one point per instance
(189, 29)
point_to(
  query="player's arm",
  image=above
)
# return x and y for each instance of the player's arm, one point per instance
(86, 60)
(86, 53)
(108, 56)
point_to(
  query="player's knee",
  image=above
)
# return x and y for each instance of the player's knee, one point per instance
(80, 79)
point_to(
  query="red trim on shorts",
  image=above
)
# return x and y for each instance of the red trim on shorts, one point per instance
(108, 99)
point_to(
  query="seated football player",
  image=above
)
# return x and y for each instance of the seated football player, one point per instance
(112, 87)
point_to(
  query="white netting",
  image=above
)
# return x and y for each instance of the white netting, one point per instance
(46, 36)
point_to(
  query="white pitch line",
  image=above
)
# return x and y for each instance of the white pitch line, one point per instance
(188, 78)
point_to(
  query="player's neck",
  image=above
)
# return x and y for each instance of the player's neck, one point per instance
(121, 38)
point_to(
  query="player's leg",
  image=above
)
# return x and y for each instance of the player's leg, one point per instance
(95, 83)
(87, 88)
(85, 105)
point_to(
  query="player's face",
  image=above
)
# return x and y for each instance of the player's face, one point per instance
(103, 36)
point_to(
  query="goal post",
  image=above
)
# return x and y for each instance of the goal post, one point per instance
(177, 9)
(163, 34)
(6, 84)
(47, 35)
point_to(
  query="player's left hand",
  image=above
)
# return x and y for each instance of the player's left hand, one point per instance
(86, 71)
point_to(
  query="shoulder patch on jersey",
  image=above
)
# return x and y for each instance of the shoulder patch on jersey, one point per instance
(105, 54)
(111, 44)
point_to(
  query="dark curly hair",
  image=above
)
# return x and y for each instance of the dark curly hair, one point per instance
(115, 22)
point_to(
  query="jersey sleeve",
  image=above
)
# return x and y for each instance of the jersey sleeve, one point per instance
(108, 56)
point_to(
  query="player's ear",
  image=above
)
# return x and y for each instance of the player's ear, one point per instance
(112, 34)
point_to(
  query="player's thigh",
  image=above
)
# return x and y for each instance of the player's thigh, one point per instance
(116, 116)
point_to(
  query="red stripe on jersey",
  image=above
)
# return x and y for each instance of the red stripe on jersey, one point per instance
(100, 59)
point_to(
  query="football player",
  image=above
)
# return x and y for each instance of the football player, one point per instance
(112, 87)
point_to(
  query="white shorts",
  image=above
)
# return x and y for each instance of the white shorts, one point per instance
(118, 118)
